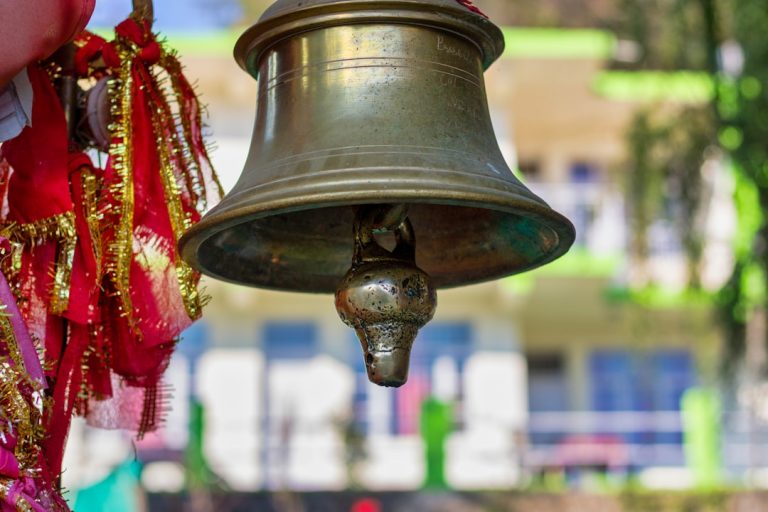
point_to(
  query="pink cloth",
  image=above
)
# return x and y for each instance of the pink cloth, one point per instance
(23, 339)
(33, 30)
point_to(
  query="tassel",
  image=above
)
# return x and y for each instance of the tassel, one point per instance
(157, 183)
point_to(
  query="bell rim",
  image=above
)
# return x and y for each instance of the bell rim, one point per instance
(217, 222)
(269, 30)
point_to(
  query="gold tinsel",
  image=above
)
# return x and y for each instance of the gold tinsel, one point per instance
(21, 417)
(56, 228)
(180, 220)
(118, 253)
(178, 164)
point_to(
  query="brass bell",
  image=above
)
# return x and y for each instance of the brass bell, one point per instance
(364, 102)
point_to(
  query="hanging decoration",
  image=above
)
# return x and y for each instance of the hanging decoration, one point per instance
(26, 480)
(96, 286)
(472, 7)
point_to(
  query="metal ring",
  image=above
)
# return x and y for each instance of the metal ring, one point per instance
(380, 218)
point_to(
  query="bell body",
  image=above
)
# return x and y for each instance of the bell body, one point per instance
(364, 102)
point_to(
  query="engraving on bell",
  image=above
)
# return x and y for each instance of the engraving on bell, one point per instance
(385, 297)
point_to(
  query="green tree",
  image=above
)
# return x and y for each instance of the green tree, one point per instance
(741, 106)
(727, 39)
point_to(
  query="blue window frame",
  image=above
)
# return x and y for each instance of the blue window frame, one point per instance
(652, 381)
(614, 377)
(290, 340)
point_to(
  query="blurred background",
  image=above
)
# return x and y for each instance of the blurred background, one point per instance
(630, 374)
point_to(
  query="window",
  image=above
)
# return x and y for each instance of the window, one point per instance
(547, 391)
(547, 384)
(650, 381)
(583, 172)
(290, 340)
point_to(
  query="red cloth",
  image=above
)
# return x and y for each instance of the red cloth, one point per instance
(472, 7)
(38, 189)
(140, 351)
(148, 297)
(86, 276)
(110, 237)
(39, 185)
(33, 30)
(112, 335)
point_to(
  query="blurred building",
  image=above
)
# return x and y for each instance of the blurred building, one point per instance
(549, 370)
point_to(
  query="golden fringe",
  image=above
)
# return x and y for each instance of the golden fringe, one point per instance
(62, 277)
(192, 170)
(84, 393)
(196, 180)
(21, 418)
(117, 254)
(55, 227)
(60, 228)
(175, 154)
(177, 162)
(9, 336)
(19, 415)
(11, 261)
(91, 187)
(193, 175)
(180, 221)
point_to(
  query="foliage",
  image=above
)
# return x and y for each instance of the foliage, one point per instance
(667, 32)
(667, 147)
(668, 151)
(549, 13)
(742, 109)
(664, 183)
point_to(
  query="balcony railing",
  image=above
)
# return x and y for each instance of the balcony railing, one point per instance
(638, 439)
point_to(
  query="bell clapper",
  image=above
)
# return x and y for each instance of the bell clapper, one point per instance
(384, 296)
